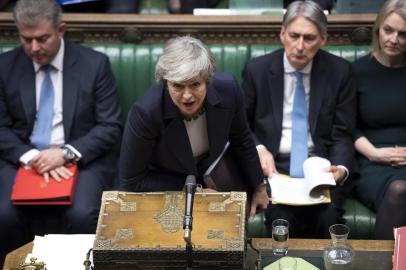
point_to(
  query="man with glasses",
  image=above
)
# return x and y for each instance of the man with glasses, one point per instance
(58, 105)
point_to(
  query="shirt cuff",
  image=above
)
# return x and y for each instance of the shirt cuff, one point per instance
(27, 156)
(260, 146)
(76, 152)
(347, 173)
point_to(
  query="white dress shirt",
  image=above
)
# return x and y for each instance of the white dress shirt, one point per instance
(198, 137)
(288, 96)
(57, 134)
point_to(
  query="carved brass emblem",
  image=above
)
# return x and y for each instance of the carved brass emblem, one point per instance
(124, 234)
(215, 234)
(103, 244)
(217, 207)
(110, 195)
(234, 244)
(128, 206)
(32, 265)
(170, 217)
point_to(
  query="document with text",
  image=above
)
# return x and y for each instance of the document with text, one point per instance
(310, 190)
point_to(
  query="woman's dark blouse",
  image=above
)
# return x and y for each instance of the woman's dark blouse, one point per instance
(382, 120)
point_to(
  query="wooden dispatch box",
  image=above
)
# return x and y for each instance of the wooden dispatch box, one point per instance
(145, 231)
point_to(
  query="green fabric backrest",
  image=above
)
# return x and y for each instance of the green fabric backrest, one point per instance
(230, 58)
(134, 65)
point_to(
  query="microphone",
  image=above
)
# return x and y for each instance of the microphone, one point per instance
(190, 189)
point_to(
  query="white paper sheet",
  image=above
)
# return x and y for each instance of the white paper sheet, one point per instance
(62, 251)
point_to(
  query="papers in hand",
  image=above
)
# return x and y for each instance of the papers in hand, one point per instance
(310, 190)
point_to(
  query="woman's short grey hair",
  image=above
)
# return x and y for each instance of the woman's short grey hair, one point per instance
(30, 12)
(309, 10)
(389, 7)
(183, 59)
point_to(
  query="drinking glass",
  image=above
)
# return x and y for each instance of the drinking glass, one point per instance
(287, 263)
(280, 237)
(339, 255)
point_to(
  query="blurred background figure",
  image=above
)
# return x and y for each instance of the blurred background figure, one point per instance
(100, 6)
(187, 6)
(324, 4)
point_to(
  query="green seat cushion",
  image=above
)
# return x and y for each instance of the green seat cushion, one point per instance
(359, 218)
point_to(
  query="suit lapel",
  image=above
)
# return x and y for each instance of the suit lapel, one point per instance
(276, 90)
(176, 135)
(70, 88)
(27, 90)
(317, 91)
(216, 117)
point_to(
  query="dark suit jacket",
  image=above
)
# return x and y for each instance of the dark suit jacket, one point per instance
(156, 153)
(332, 105)
(91, 112)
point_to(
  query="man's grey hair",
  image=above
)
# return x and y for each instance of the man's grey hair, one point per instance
(389, 7)
(30, 12)
(183, 59)
(310, 11)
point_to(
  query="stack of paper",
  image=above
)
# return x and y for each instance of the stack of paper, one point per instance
(62, 251)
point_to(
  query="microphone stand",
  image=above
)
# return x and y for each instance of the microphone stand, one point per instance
(190, 189)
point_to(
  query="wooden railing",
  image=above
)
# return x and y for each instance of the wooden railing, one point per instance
(147, 29)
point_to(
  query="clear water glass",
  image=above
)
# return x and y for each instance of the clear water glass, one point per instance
(280, 237)
(339, 255)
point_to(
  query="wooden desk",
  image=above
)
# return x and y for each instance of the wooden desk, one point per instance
(16, 257)
(369, 254)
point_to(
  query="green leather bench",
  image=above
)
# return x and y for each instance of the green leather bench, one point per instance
(133, 67)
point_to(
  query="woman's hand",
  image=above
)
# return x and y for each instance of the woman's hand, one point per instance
(393, 156)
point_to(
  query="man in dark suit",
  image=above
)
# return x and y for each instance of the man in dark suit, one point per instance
(84, 120)
(270, 84)
(181, 126)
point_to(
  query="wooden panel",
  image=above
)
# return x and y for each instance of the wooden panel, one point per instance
(320, 244)
(146, 29)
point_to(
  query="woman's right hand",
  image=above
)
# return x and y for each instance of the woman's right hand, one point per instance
(394, 156)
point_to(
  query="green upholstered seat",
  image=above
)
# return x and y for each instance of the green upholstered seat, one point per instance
(360, 219)
(134, 67)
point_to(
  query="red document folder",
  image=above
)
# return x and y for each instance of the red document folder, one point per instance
(399, 256)
(31, 188)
